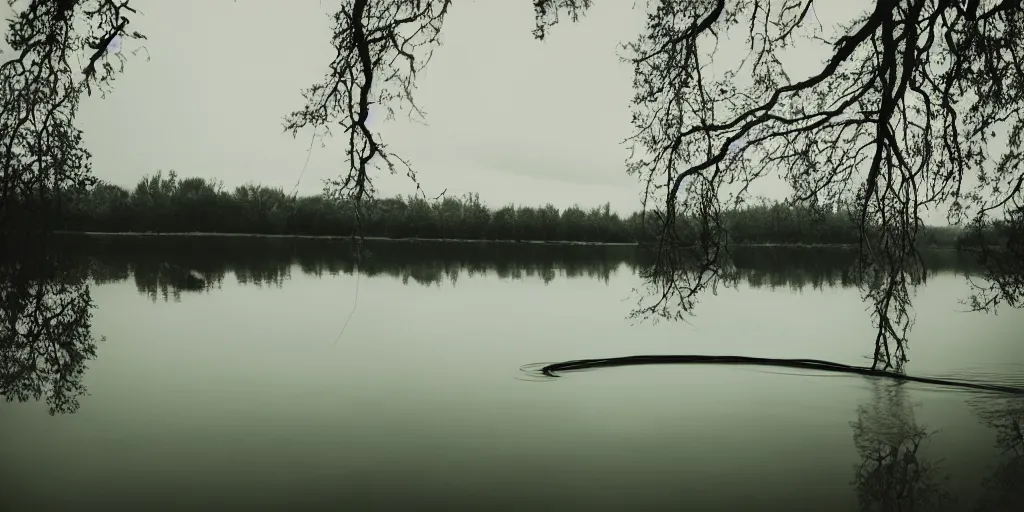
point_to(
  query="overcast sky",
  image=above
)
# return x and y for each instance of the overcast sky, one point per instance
(512, 118)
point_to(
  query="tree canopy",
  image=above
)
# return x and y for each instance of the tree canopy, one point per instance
(917, 107)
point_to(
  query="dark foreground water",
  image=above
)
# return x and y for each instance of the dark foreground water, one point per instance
(222, 384)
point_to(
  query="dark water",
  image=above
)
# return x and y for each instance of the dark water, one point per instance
(222, 384)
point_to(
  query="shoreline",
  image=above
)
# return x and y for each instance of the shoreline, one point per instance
(198, 234)
(339, 237)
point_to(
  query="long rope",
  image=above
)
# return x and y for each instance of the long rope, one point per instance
(551, 370)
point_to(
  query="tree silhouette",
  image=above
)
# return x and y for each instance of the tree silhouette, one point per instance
(42, 151)
(899, 119)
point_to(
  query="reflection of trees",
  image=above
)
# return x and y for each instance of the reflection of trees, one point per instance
(1004, 488)
(823, 267)
(167, 266)
(1000, 248)
(886, 285)
(45, 336)
(892, 474)
(168, 280)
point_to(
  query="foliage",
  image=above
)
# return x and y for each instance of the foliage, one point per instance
(42, 151)
(165, 203)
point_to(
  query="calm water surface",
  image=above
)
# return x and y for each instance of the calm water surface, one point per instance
(235, 391)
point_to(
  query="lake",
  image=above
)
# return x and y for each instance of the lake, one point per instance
(266, 374)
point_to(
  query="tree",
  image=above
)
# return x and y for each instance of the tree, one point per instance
(900, 118)
(42, 151)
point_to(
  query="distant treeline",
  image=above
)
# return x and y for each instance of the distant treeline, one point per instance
(166, 204)
(166, 266)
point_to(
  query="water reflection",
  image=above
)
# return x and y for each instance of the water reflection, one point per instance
(1004, 488)
(45, 313)
(893, 474)
(45, 331)
(164, 267)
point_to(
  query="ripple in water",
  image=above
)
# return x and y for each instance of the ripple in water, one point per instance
(1001, 374)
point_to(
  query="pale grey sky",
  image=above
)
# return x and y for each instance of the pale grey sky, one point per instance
(512, 118)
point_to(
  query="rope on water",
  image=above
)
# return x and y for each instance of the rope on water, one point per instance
(553, 369)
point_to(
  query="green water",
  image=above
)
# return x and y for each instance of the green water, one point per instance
(235, 392)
